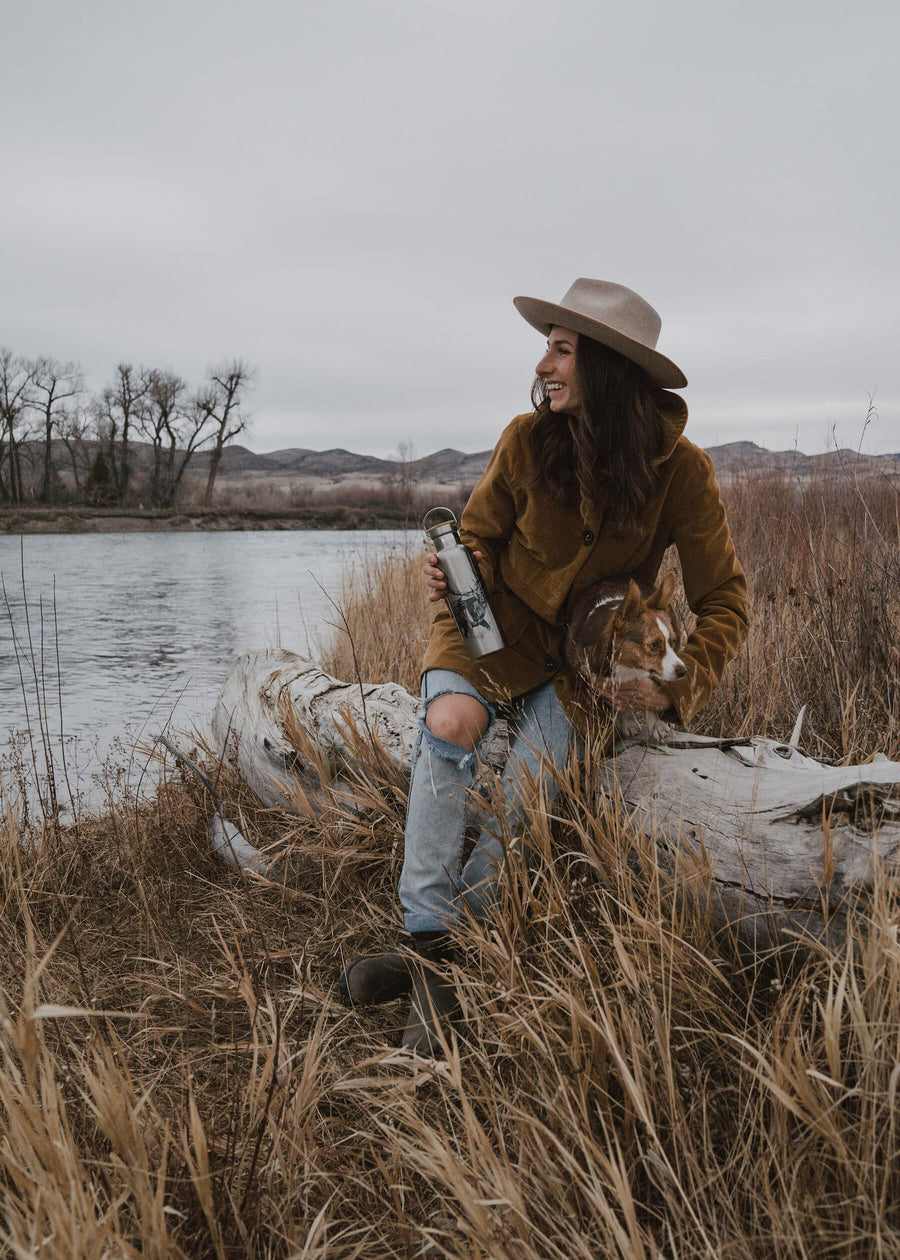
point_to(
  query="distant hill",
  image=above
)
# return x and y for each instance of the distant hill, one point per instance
(736, 457)
(247, 477)
(446, 466)
(452, 467)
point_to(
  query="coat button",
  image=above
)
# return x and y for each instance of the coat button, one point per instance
(587, 537)
(550, 664)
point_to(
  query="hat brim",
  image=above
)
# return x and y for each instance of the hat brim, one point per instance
(543, 315)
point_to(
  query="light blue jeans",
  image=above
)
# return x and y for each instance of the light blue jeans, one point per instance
(432, 886)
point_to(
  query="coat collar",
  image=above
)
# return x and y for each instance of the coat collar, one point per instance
(675, 414)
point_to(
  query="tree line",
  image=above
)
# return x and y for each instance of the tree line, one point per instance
(130, 443)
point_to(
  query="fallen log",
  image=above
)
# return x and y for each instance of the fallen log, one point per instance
(777, 845)
(788, 844)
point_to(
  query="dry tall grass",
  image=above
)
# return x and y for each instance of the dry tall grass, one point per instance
(178, 1079)
(823, 560)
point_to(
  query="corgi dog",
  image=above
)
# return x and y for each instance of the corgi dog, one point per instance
(624, 630)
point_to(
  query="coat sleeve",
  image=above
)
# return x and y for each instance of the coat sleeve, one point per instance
(714, 585)
(490, 514)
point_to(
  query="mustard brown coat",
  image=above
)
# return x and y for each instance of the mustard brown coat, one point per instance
(539, 555)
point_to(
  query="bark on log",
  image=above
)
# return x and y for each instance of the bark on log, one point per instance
(782, 844)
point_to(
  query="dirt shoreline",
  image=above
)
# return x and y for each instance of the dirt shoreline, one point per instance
(131, 520)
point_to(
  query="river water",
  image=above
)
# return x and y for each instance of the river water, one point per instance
(106, 639)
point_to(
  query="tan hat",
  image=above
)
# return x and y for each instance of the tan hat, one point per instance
(612, 315)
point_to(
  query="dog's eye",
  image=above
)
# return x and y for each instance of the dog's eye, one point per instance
(656, 646)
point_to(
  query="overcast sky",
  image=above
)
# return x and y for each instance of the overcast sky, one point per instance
(348, 194)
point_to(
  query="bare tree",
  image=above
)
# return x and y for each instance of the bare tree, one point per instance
(176, 427)
(16, 379)
(159, 419)
(120, 409)
(399, 479)
(53, 387)
(219, 402)
(74, 432)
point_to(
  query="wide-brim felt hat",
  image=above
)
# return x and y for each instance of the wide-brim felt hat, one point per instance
(613, 315)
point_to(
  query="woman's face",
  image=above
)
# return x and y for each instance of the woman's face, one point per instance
(557, 371)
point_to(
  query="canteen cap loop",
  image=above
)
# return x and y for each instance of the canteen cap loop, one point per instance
(444, 519)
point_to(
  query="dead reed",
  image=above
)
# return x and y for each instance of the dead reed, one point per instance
(823, 559)
(177, 1078)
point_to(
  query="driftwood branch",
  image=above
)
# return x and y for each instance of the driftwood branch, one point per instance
(778, 844)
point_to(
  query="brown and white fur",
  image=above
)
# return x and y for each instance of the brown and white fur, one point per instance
(624, 630)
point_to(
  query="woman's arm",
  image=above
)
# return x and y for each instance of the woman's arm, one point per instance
(490, 514)
(487, 519)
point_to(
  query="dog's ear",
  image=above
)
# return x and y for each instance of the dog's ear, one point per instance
(662, 596)
(630, 606)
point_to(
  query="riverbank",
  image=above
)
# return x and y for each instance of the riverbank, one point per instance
(86, 520)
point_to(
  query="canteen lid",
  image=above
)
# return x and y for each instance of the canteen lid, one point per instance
(438, 521)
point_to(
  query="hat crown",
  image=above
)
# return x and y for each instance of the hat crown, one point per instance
(613, 315)
(615, 306)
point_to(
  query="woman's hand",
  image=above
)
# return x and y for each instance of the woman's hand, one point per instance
(434, 576)
(642, 695)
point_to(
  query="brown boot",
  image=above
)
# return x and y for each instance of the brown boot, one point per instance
(379, 978)
(435, 1003)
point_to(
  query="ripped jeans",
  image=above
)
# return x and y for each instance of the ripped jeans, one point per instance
(432, 887)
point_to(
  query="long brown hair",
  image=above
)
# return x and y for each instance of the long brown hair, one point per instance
(612, 444)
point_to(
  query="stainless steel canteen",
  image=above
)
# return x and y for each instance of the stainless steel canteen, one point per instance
(465, 590)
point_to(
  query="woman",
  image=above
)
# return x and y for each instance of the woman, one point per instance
(595, 483)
